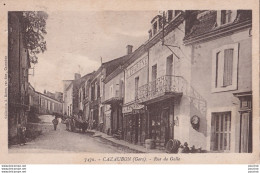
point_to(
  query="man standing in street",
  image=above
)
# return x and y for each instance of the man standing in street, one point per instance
(55, 122)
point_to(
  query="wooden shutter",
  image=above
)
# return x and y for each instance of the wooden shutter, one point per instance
(228, 67)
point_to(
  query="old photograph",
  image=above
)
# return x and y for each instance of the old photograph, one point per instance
(162, 81)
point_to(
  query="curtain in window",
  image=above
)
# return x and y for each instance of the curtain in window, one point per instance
(228, 67)
(221, 131)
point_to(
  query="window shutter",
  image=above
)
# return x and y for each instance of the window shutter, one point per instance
(228, 67)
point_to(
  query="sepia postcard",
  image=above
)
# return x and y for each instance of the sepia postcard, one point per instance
(129, 82)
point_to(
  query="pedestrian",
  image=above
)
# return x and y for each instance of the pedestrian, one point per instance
(55, 122)
(67, 122)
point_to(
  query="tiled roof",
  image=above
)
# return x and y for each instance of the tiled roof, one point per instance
(203, 24)
(114, 64)
(207, 22)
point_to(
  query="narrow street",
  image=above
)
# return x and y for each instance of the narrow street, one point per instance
(64, 141)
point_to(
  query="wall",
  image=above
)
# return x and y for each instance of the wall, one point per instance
(181, 67)
(115, 83)
(130, 80)
(49, 105)
(66, 83)
(202, 68)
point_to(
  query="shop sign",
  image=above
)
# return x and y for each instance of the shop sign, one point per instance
(130, 108)
(137, 66)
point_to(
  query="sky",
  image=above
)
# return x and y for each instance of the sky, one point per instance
(76, 41)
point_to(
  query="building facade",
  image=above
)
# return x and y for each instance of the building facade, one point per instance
(136, 75)
(84, 92)
(167, 98)
(221, 46)
(48, 105)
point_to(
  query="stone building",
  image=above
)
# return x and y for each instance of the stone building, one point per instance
(18, 66)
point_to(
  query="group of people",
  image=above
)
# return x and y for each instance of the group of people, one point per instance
(75, 122)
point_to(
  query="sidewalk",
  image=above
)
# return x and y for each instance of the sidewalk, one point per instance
(138, 148)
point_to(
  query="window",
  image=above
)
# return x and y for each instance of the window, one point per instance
(111, 91)
(92, 92)
(96, 91)
(221, 131)
(154, 72)
(224, 68)
(101, 86)
(154, 28)
(169, 15)
(136, 87)
(225, 16)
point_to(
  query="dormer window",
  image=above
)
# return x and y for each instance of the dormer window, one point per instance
(169, 15)
(154, 28)
(226, 16)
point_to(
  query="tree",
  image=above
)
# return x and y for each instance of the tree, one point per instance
(34, 29)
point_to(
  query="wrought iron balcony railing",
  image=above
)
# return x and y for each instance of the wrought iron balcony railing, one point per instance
(168, 84)
(162, 85)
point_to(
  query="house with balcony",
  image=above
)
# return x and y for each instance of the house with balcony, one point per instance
(134, 118)
(167, 92)
(221, 72)
(112, 92)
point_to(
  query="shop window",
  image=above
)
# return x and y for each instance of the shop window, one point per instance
(221, 131)
(224, 68)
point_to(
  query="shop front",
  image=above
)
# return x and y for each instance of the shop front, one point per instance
(116, 118)
(160, 123)
(134, 124)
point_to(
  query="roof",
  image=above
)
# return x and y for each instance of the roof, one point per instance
(207, 22)
(48, 97)
(113, 64)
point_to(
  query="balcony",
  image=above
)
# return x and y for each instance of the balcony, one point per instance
(116, 98)
(160, 89)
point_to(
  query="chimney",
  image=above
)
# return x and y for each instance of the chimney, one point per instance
(77, 76)
(129, 49)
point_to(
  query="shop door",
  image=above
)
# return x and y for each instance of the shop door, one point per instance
(165, 127)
